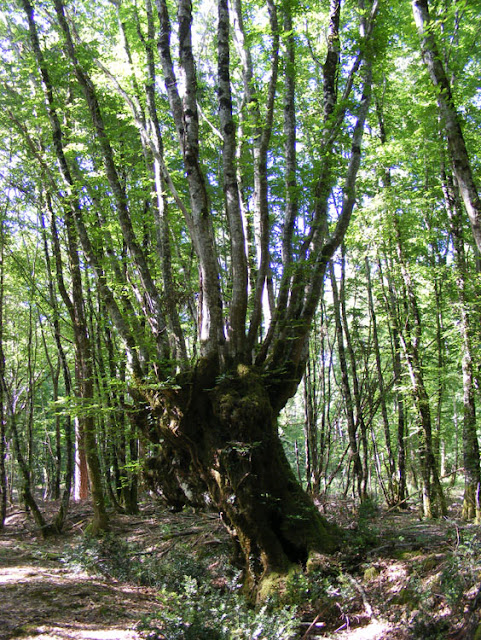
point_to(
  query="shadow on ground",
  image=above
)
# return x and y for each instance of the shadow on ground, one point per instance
(41, 598)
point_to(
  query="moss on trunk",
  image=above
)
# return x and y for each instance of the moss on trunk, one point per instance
(229, 428)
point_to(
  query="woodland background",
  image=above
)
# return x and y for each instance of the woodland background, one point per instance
(98, 217)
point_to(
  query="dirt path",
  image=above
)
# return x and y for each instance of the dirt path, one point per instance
(409, 580)
(40, 597)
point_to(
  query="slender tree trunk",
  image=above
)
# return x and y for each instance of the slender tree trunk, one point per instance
(128, 441)
(433, 501)
(262, 127)
(437, 260)
(87, 459)
(395, 321)
(392, 496)
(86, 420)
(401, 420)
(29, 413)
(449, 117)
(27, 489)
(106, 432)
(79, 466)
(3, 435)
(472, 472)
(62, 366)
(324, 427)
(53, 491)
(346, 392)
(177, 340)
(311, 426)
(438, 434)
(395, 329)
(356, 386)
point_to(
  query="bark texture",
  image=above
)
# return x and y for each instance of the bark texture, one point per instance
(227, 430)
(433, 500)
(458, 152)
(3, 448)
(472, 472)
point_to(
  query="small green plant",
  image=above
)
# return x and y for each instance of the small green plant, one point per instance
(197, 612)
(197, 602)
(112, 557)
(454, 582)
(367, 511)
(461, 569)
(424, 628)
(107, 555)
(365, 534)
(304, 590)
(298, 589)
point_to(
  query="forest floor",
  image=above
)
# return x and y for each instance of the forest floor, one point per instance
(397, 578)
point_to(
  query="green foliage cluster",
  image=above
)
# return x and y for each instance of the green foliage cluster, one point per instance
(426, 629)
(365, 534)
(196, 604)
(127, 562)
(198, 612)
(367, 511)
(461, 570)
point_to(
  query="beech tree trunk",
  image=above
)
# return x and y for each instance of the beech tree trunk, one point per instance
(391, 493)
(472, 472)
(390, 303)
(352, 429)
(360, 422)
(433, 500)
(311, 427)
(449, 118)
(400, 410)
(27, 491)
(3, 441)
(55, 276)
(229, 432)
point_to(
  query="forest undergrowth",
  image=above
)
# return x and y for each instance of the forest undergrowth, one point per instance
(166, 576)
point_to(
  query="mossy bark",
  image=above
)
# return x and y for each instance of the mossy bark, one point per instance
(229, 429)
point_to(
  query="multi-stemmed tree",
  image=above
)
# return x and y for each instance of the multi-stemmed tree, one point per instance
(208, 207)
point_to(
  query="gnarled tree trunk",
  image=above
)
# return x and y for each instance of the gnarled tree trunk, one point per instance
(227, 428)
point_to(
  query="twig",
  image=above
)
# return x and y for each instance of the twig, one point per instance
(343, 626)
(367, 606)
(458, 537)
(312, 625)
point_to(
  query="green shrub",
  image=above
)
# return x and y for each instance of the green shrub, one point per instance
(197, 612)
(108, 555)
(424, 628)
(115, 558)
(461, 569)
(200, 599)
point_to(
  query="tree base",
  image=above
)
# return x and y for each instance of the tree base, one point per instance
(227, 430)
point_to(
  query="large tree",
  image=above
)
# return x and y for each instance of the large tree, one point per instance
(451, 122)
(243, 175)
